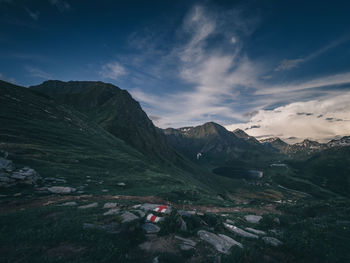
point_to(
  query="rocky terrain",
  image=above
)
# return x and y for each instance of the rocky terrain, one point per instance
(86, 180)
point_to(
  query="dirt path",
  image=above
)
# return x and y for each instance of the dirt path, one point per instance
(18, 205)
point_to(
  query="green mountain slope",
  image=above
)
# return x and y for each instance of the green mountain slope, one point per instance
(58, 141)
(115, 111)
(329, 169)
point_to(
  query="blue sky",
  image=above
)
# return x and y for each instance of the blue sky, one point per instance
(255, 65)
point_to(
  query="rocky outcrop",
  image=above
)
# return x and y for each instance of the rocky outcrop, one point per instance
(222, 243)
(272, 241)
(253, 219)
(239, 232)
(10, 177)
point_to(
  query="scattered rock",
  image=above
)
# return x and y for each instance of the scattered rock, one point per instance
(80, 192)
(92, 205)
(147, 207)
(153, 218)
(185, 213)
(239, 232)
(221, 244)
(73, 203)
(155, 260)
(231, 241)
(255, 231)
(150, 228)
(253, 219)
(110, 205)
(186, 243)
(7, 165)
(105, 190)
(276, 220)
(272, 241)
(25, 175)
(183, 226)
(112, 211)
(140, 213)
(61, 189)
(17, 194)
(163, 209)
(229, 221)
(128, 217)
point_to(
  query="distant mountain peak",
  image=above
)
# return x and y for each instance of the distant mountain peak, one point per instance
(241, 134)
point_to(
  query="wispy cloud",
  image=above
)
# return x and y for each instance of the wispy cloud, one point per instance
(61, 5)
(112, 70)
(287, 64)
(213, 72)
(331, 80)
(36, 72)
(321, 119)
(33, 14)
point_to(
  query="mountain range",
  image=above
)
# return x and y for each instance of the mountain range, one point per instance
(66, 147)
(107, 112)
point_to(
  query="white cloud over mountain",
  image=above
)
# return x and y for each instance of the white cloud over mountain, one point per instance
(321, 119)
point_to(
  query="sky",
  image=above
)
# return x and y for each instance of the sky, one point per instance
(271, 68)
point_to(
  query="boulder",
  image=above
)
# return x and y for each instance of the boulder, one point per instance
(6, 165)
(255, 231)
(272, 241)
(140, 213)
(121, 184)
(277, 220)
(231, 241)
(239, 232)
(61, 189)
(110, 205)
(150, 228)
(221, 244)
(253, 219)
(186, 243)
(229, 221)
(92, 205)
(183, 226)
(128, 217)
(112, 211)
(26, 175)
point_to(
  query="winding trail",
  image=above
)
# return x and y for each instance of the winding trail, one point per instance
(18, 205)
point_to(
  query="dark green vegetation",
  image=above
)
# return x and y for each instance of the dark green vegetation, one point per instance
(95, 136)
(114, 110)
(59, 141)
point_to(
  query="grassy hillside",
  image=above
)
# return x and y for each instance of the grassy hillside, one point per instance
(58, 141)
(114, 110)
(329, 169)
